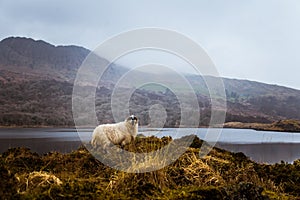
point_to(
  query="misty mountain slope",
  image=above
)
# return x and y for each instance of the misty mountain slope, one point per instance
(40, 58)
(28, 59)
(36, 80)
(274, 101)
(251, 101)
(252, 88)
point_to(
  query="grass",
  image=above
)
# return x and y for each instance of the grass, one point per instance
(78, 175)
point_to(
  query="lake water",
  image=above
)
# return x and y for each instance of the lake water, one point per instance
(261, 146)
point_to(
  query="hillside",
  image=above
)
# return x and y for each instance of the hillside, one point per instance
(30, 59)
(36, 80)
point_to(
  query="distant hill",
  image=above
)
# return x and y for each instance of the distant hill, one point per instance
(250, 101)
(40, 60)
(36, 82)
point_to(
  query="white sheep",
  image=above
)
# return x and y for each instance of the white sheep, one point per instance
(118, 134)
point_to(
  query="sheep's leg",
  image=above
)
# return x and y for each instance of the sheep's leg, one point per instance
(123, 142)
(126, 140)
(132, 138)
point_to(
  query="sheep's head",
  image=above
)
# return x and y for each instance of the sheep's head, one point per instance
(132, 119)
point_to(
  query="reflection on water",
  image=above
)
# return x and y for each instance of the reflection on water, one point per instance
(266, 152)
(41, 140)
(265, 147)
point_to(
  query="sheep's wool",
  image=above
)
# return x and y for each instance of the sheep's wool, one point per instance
(120, 133)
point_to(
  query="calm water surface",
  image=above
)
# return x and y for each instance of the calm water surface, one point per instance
(261, 146)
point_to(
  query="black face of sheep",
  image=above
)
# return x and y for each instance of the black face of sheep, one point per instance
(132, 119)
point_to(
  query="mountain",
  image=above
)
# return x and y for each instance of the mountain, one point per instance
(23, 59)
(251, 101)
(30, 59)
(271, 102)
(36, 84)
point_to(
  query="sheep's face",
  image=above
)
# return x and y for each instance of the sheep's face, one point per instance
(133, 120)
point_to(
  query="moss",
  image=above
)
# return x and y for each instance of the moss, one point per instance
(273, 195)
(191, 192)
(8, 183)
(247, 190)
(22, 159)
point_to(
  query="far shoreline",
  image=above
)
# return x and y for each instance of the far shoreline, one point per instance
(35, 126)
(291, 126)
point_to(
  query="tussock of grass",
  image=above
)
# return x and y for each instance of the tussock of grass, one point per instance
(36, 180)
(78, 175)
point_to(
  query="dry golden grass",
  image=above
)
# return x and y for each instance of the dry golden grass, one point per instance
(30, 181)
(78, 175)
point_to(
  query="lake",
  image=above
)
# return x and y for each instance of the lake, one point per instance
(261, 146)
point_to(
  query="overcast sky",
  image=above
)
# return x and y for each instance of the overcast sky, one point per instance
(256, 39)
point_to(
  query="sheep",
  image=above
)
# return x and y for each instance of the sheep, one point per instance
(118, 134)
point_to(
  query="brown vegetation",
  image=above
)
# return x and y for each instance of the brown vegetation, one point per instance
(78, 175)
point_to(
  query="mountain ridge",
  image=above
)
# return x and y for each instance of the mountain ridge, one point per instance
(30, 66)
(40, 58)
(85, 52)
